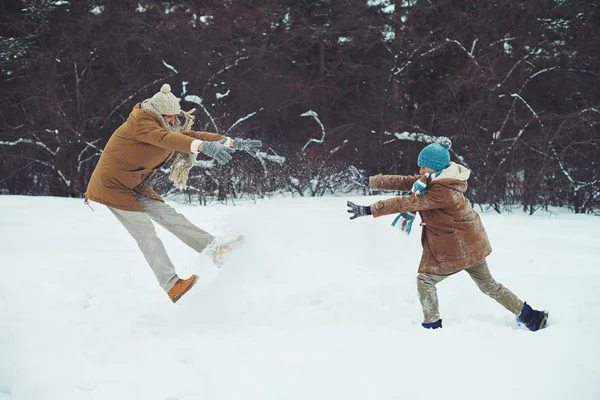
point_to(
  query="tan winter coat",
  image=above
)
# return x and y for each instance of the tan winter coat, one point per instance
(134, 152)
(453, 236)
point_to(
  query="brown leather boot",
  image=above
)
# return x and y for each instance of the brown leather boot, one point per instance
(181, 287)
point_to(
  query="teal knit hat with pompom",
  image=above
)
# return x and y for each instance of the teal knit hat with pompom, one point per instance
(436, 156)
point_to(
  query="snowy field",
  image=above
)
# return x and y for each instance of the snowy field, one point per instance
(311, 306)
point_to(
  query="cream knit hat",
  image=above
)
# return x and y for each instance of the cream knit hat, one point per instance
(165, 102)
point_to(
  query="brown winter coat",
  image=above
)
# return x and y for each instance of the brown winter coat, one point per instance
(453, 236)
(134, 152)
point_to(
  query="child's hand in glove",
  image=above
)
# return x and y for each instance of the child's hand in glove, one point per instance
(358, 211)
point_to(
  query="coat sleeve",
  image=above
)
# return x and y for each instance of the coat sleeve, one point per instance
(206, 136)
(392, 182)
(148, 130)
(434, 198)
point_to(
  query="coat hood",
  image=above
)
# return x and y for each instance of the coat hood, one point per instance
(455, 176)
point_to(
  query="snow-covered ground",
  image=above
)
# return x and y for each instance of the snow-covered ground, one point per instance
(312, 306)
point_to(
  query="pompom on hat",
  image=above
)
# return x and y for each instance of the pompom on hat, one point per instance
(436, 156)
(165, 102)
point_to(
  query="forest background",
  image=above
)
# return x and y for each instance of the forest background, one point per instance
(325, 84)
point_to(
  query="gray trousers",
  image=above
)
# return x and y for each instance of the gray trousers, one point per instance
(140, 227)
(480, 273)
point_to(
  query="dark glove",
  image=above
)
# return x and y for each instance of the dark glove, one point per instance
(357, 177)
(358, 211)
(249, 145)
(217, 151)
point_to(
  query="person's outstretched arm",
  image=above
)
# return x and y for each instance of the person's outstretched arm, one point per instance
(401, 183)
(148, 130)
(206, 136)
(251, 146)
(436, 197)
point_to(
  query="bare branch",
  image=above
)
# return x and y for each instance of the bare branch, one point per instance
(469, 53)
(313, 114)
(169, 66)
(515, 95)
(239, 121)
(29, 141)
(198, 100)
(223, 70)
(88, 145)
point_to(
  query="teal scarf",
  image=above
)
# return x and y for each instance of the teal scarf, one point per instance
(419, 188)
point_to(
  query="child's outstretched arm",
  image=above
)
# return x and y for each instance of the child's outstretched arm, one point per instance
(433, 199)
(401, 183)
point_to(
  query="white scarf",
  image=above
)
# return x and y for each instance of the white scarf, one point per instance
(183, 162)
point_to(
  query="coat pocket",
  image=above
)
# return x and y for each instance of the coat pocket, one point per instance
(130, 179)
(447, 247)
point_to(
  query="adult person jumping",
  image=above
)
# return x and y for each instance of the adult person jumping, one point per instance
(147, 140)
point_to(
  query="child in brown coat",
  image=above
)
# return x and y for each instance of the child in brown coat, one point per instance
(453, 237)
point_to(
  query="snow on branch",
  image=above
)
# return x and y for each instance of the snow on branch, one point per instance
(431, 50)
(513, 68)
(81, 162)
(536, 74)
(561, 166)
(421, 138)
(498, 133)
(577, 185)
(511, 148)
(412, 136)
(459, 44)
(469, 53)
(97, 153)
(591, 109)
(198, 100)
(517, 96)
(239, 121)
(473, 47)
(397, 70)
(63, 178)
(220, 96)
(503, 40)
(542, 71)
(172, 68)
(313, 114)
(28, 141)
(59, 172)
(582, 185)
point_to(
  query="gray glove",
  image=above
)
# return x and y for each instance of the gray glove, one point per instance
(217, 151)
(249, 145)
(358, 211)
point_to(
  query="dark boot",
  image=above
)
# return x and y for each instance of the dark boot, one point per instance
(533, 319)
(432, 325)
